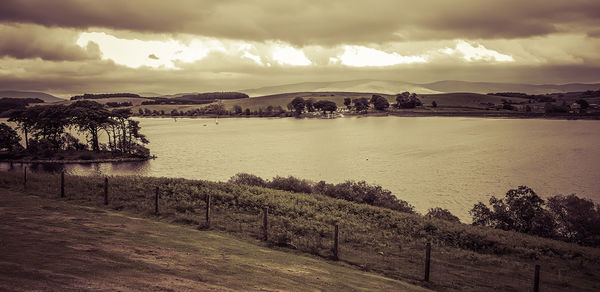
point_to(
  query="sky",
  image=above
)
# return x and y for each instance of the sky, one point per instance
(68, 47)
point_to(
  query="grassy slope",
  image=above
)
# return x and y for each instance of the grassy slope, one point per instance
(53, 245)
(390, 243)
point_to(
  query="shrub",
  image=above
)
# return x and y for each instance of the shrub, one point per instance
(291, 184)
(248, 179)
(443, 214)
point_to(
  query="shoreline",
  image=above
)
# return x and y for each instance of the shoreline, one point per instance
(491, 115)
(75, 161)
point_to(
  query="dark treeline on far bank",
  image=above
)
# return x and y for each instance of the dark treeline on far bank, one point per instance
(47, 132)
(566, 218)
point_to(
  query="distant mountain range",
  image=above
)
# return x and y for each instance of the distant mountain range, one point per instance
(393, 87)
(30, 94)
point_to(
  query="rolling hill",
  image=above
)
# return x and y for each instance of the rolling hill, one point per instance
(486, 87)
(379, 86)
(393, 87)
(30, 94)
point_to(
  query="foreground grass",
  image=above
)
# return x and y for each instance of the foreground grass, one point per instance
(51, 245)
(373, 239)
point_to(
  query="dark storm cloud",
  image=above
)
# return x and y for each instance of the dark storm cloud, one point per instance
(34, 41)
(317, 22)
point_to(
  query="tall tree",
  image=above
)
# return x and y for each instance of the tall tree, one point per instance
(9, 139)
(90, 116)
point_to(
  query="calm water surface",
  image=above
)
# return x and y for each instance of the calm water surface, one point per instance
(427, 161)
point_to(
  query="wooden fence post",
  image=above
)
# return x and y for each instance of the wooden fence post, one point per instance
(106, 190)
(62, 184)
(536, 279)
(265, 223)
(427, 260)
(156, 202)
(207, 211)
(336, 242)
(25, 177)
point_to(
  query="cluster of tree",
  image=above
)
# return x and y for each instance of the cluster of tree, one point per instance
(407, 100)
(7, 103)
(359, 192)
(361, 105)
(584, 104)
(119, 104)
(298, 105)
(46, 128)
(551, 108)
(219, 109)
(379, 102)
(104, 95)
(567, 218)
(269, 111)
(591, 93)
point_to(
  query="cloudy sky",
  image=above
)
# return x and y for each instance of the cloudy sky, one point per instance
(74, 46)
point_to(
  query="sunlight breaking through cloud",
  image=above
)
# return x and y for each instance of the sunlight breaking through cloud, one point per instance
(359, 56)
(287, 55)
(134, 53)
(471, 53)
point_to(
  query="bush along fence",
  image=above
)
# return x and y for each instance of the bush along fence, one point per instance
(433, 253)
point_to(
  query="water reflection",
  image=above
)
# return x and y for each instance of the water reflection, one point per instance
(105, 168)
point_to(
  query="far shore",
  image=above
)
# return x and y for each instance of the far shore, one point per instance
(477, 114)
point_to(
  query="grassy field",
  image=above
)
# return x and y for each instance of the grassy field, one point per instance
(459, 103)
(372, 239)
(51, 245)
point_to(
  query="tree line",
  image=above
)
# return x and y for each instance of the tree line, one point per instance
(8, 104)
(104, 95)
(45, 128)
(404, 100)
(568, 218)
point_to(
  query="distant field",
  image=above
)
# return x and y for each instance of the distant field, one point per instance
(468, 100)
(133, 100)
(458, 102)
(465, 99)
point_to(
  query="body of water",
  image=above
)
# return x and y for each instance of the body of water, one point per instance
(428, 161)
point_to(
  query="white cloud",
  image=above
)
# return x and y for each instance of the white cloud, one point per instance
(360, 56)
(253, 57)
(471, 53)
(134, 53)
(287, 55)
